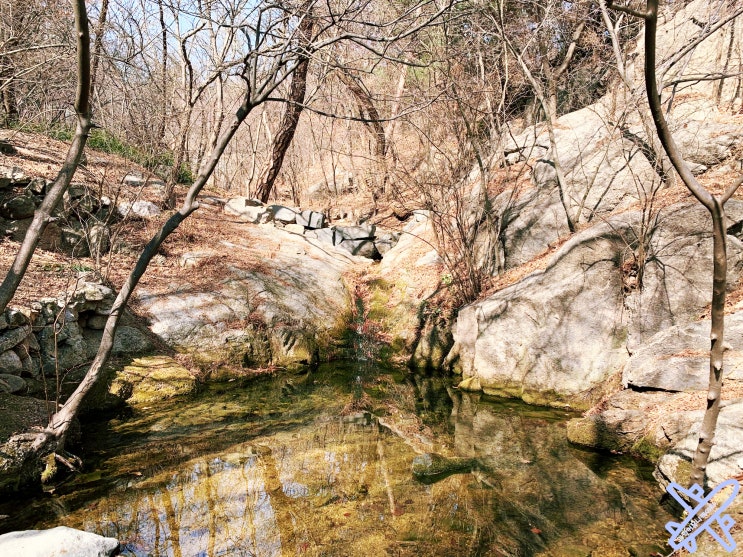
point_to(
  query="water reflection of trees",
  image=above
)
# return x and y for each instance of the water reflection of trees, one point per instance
(315, 482)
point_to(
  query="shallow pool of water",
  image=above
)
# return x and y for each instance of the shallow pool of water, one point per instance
(299, 465)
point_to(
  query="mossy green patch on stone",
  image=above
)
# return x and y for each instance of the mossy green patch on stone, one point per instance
(152, 378)
(648, 450)
(503, 391)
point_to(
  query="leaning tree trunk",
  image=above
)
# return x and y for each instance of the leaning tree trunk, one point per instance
(43, 214)
(374, 124)
(715, 205)
(54, 436)
(290, 120)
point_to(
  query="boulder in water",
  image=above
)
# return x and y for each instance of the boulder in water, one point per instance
(432, 467)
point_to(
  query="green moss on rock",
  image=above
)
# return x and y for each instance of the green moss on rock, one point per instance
(152, 378)
(648, 450)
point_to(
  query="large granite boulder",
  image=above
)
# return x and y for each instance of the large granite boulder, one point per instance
(725, 459)
(280, 310)
(560, 335)
(677, 358)
(247, 210)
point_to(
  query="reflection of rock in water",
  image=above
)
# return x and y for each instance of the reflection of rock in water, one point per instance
(432, 467)
(263, 471)
(544, 486)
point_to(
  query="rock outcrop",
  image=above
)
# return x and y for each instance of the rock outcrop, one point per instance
(283, 311)
(360, 239)
(560, 335)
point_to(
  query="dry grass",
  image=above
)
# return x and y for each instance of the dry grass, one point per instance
(207, 230)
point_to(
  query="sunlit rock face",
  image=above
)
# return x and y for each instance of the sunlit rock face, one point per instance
(258, 310)
(562, 336)
(57, 542)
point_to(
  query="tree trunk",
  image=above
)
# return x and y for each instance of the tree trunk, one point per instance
(373, 122)
(43, 214)
(715, 206)
(60, 422)
(100, 28)
(7, 90)
(290, 120)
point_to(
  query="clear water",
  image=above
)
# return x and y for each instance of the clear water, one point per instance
(296, 465)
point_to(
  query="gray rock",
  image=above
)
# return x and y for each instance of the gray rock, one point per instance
(677, 280)
(11, 384)
(385, 241)
(134, 179)
(604, 170)
(725, 459)
(311, 219)
(37, 186)
(558, 335)
(15, 318)
(324, 235)
(383, 246)
(99, 239)
(140, 208)
(431, 257)
(84, 242)
(64, 350)
(79, 201)
(283, 214)
(677, 359)
(57, 542)
(247, 210)
(10, 363)
(705, 141)
(18, 207)
(532, 222)
(128, 341)
(16, 176)
(365, 232)
(31, 366)
(74, 242)
(85, 295)
(304, 289)
(362, 248)
(193, 258)
(96, 322)
(11, 337)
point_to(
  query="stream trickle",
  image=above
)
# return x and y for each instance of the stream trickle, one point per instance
(298, 465)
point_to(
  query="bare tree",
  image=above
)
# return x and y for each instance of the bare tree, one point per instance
(43, 215)
(715, 204)
(271, 53)
(290, 119)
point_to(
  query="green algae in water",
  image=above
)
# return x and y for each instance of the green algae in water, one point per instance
(279, 466)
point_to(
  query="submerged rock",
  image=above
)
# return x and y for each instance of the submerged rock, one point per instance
(432, 467)
(152, 379)
(57, 542)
